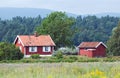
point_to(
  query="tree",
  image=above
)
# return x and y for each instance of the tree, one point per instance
(92, 28)
(9, 29)
(9, 52)
(58, 26)
(114, 42)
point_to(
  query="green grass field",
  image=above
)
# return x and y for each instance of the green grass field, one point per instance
(60, 70)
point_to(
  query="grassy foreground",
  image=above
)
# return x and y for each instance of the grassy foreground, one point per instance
(60, 70)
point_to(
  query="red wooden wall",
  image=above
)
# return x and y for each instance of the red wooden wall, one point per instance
(25, 50)
(99, 52)
(39, 51)
(20, 45)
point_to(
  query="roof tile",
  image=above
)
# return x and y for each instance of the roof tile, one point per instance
(31, 40)
(88, 44)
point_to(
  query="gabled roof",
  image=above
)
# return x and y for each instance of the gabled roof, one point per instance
(32, 40)
(91, 44)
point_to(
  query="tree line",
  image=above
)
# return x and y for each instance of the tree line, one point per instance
(9, 29)
(89, 28)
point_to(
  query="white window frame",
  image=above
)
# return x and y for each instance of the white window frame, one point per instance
(46, 49)
(33, 49)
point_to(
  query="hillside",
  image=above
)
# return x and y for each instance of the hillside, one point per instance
(8, 13)
(108, 13)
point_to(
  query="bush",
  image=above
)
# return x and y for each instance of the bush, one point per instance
(58, 54)
(73, 57)
(35, 56)
(9, 52)
(68, 51)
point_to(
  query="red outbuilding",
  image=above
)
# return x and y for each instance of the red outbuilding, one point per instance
(33, 44)
(92, 49)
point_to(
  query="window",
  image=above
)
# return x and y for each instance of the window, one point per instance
(46, 49)
(32, 49)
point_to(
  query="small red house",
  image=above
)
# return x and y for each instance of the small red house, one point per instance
(92, 49)
(33, 44)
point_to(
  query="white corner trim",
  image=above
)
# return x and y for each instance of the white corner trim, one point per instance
(102, 44)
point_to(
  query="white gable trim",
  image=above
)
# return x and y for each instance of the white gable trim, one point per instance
(15, 39)
(18, 39)
(102, 44)
(80, 44)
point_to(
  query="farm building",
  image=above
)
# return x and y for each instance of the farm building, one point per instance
(92, 49)
(34, 44)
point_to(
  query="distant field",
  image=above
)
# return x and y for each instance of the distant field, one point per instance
(60, 70)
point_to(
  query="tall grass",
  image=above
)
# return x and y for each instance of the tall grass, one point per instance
(61, 70)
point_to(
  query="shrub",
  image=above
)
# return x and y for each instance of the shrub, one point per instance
(73, 57)
(9, 52)
(35, 56)
(68, 51)
(58, 54)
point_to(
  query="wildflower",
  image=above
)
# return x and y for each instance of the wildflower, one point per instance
(95, 74)
(49, 76)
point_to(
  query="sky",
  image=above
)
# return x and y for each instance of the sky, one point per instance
(71, 6)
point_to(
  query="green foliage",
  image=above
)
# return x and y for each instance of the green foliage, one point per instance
(58, 54)
(9, 29)
(92, 28)
(69, 59)
(61, 70)
(35, 56)
(114, 42)
(68, 50)
(89, 28)
(58, 26)
(9, 52)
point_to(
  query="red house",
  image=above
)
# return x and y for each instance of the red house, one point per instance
(33, 44)
(92, 49)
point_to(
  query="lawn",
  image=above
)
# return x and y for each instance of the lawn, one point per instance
(60, 70)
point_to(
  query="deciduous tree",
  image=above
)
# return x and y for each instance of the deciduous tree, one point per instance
(58, 26)
(114, 41)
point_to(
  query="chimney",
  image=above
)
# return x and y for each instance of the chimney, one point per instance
(35, 34)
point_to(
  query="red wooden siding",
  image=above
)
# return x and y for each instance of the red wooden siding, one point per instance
(39, 51)
(84, 52)
(25, 50)
(27, 41)
(100, 51)
(20, 45)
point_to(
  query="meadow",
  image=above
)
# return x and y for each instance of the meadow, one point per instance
(60, 70)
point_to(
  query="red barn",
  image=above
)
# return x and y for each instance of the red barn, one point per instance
(33, 44)
(92, 49)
